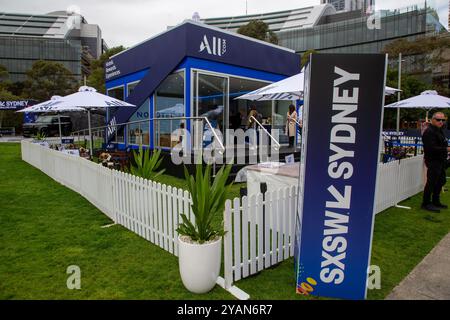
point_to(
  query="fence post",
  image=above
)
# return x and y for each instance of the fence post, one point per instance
(398, 181)
(114, 193)
(416, 140)
(227, 246)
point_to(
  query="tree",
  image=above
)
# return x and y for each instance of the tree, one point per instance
(46, 79)
(424, 54)
(305, 56)
(427, 51)
(8, 118)
(4, 74)
(97, 77)
(259, 30)
(5, 82)
(411, 86)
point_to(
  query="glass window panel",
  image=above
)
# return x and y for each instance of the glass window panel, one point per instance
(169, 103)
(116, 92)
(210, 101)
(131, 86)
(239, 109)
(139, 133)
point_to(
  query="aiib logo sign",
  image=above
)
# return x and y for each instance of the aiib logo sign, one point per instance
(216, 47)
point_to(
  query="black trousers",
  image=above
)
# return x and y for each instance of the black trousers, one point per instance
(436, 178)
(291, 141)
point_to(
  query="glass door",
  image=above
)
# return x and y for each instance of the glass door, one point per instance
(279, 117)
(211, 101)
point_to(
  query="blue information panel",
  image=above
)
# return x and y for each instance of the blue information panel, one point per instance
(15, 104)
(344, 97)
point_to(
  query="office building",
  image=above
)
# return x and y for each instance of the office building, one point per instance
(58, 36)
(350, 5)
(325, 29)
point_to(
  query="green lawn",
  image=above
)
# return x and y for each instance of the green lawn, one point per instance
(45, 227)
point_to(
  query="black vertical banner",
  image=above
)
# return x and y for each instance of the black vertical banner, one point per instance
(344, 108)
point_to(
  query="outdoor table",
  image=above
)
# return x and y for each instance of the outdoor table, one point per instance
(72, 152)
(275, 175)
(43, 143)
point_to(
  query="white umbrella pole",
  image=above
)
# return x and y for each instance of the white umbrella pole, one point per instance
(426, 116)
(399, 88)
(60, 132)
(90, 133)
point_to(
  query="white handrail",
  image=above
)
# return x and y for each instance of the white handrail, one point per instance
(158, 119)
(267, 132)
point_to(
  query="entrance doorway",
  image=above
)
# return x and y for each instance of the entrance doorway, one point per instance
(210, 101)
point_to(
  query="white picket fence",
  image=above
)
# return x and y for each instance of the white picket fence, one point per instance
(398, 180)
(259, 232)
(90, 180)
(152, 210)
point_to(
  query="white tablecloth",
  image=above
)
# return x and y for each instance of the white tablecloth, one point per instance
(275, 177)
(73, 152)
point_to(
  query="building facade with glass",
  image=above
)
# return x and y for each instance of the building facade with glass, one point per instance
(193, 70)
(276, 21)
(354, 32)
(335, 27)
(350, 5)
(58, 36)
(322, 28)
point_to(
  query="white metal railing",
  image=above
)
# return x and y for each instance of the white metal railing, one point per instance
(113, 129)
(277, 144)
(414, 143)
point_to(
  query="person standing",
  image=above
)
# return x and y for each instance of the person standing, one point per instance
(253, 113)
(291, 124)
(435, 148)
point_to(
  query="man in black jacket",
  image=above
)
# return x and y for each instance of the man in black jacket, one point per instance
(435, 148)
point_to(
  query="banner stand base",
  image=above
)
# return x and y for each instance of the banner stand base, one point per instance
(108, 225)
(402, 207)
(235, 291)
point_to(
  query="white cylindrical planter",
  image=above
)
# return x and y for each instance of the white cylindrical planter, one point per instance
(199, 264)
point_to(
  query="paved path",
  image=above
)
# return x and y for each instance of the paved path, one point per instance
(430, 279)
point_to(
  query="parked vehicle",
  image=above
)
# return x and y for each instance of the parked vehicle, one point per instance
(48, 125)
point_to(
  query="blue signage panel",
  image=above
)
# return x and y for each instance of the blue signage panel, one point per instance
(213, 44)
(162, 54)
(67, 140)
(342, 123)
(16, 104)
(192, 39)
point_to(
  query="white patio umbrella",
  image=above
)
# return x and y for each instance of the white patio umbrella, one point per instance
(390, 91)
(427, 100)
(50, 106)
(87, 98)
(287, 89)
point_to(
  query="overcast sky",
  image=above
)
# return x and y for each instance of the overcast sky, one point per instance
(128, 22)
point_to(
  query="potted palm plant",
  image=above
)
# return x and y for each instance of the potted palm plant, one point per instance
(200, 242)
